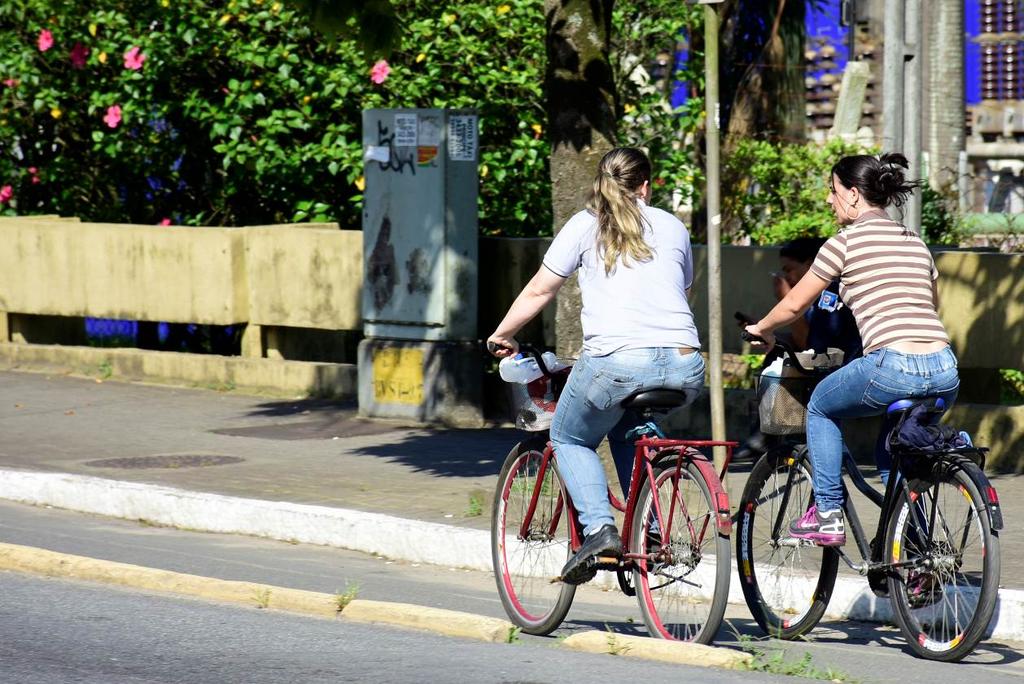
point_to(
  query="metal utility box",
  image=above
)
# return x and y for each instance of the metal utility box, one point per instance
(420, 224)
(419, 359)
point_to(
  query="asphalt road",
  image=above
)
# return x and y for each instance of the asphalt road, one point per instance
(200, 636)
(54, 631)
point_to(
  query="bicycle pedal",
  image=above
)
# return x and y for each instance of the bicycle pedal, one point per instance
(606, 563)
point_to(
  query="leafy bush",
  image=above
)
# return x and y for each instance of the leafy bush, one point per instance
(645, 29)
(940, 222)
(779, 189)
(238, 113)
(1011, 386)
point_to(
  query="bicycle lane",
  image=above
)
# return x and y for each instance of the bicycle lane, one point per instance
(305, 471)
(836, 646)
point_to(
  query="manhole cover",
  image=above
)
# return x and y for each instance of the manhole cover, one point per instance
(165, 461)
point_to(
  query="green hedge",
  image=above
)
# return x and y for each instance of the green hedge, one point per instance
(238, 113)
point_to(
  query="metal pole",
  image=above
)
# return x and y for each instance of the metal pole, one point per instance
(963, 182)
(912, 107)
(892, 77)
(712, 142)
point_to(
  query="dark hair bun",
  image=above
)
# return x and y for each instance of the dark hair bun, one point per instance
(889, 180)
(894, 159)
(881, 179)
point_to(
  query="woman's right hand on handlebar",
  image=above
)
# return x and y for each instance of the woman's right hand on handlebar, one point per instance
(760, 337)
(502, 346)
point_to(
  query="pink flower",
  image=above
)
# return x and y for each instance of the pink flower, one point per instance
(133, 59)
(79, 53)
(379, 72)
(11, 82)
(113, 116)
(45, 41)
(165, 222)
(6, 193)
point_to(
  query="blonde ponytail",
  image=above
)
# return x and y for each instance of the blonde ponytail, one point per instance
(620, 223)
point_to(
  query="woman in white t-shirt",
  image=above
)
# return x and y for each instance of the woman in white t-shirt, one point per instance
(635, 271)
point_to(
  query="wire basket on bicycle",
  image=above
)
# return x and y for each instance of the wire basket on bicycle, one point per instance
(783, 390)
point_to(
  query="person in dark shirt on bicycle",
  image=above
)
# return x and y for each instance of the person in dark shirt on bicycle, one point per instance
(635, 270)
(888, 279)
(827, 323)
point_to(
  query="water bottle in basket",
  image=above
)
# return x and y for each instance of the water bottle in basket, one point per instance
(519, 369)
(533, 395)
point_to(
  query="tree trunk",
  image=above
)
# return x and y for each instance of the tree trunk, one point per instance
(945, 30)
(581, 121)
(765, 55)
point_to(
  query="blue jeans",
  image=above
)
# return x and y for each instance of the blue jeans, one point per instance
(866, 387)
(590, 408)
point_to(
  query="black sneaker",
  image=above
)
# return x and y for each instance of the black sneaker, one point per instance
(604, 542)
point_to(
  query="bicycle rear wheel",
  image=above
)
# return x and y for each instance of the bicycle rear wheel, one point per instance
(945, 594)
(529, 549)
(683, 591)
(787, 583)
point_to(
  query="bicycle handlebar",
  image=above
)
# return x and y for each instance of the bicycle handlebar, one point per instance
(785, 348)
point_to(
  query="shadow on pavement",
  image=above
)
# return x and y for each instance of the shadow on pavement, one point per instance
(301, 406)
(459, 453)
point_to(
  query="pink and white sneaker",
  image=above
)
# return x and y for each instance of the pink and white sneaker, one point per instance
(823, 528)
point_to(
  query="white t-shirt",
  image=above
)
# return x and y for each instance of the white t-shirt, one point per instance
(639, 304)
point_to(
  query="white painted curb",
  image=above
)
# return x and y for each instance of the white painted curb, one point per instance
(398, 538)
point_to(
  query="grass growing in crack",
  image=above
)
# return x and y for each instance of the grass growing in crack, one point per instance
(476, 505)
(513, 635)
(262, 597)
(346, 597)
(104, 370)
(777, 663)
(614, 647)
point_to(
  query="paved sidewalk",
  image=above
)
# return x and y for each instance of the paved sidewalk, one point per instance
(314, 464)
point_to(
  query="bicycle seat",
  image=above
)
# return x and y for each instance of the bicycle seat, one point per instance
(657, 399)
(898, 408)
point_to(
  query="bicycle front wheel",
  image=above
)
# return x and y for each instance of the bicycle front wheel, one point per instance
(786, 582)
(530, 539)
(944, 588)
(683, 583)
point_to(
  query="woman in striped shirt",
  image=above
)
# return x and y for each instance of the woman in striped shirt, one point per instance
(887, 277)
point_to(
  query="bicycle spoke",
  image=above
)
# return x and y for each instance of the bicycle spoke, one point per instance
(530, 543)
(938, 595)
(679, 589)
(780, 577)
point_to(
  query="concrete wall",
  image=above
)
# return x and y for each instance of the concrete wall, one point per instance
(292, 276)
(309, 278)
(182, 275)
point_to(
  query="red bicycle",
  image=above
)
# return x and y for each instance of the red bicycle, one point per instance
(676, 552)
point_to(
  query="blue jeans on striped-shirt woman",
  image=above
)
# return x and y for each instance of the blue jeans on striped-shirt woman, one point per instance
(866, 387)
(590, 407)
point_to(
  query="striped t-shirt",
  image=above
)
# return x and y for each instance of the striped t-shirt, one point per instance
(885, 276)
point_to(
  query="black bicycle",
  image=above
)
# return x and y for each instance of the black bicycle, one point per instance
(935, 553)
